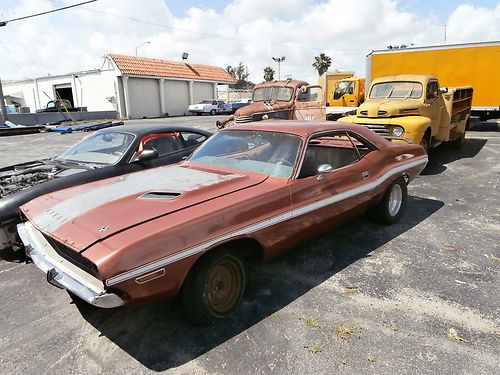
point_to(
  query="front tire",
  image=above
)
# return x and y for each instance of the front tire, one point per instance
(212, 112)
(214, 287)
(390, 209)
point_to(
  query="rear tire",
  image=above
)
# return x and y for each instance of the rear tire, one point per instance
(214, 287)
(390, 209)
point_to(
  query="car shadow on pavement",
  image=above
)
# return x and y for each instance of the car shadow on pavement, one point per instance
(445, 153)
(159, 336)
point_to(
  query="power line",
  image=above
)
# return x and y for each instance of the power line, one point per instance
(4, 23)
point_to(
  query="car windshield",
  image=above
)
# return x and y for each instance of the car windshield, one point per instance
(266, 152)
(396, 90)
(99, 148)
(273, 93)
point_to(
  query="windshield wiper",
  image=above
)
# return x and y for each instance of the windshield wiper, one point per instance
(390, 93)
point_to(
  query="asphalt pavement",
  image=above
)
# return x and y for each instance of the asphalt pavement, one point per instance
(418, 297)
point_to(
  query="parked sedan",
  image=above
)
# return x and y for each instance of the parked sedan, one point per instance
(106, 153)
(252, 190)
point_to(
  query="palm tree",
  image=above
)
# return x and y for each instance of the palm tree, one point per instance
(268, 73)
(322, 63)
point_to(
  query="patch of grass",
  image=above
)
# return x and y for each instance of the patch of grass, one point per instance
(314, 349)
(350, 290)
(344, 331)
(453, 336)
(311, 322)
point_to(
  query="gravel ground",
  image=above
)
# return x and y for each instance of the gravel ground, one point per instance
(417, 297)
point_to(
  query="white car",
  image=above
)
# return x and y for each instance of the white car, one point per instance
(210, 106)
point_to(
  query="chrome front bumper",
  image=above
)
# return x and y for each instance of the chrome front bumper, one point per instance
(63, 274)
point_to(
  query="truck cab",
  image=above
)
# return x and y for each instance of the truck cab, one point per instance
(285, 100)
(349, 92)
(414, 106)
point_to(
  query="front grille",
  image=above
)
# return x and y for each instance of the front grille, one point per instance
(242, 119)
(379, 129)
(73, 257)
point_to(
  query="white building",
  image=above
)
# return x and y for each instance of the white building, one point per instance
(136, 87)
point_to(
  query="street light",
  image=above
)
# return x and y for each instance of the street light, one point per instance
(279, 60)
(140, 45)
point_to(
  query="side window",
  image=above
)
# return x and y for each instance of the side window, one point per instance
(432, 90)
(192, 139)
(311, 94)
(165, 144)
(339, 149)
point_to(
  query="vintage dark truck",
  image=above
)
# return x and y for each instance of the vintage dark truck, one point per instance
(284, 100)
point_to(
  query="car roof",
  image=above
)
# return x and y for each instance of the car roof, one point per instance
(142, 129)
(302, 128)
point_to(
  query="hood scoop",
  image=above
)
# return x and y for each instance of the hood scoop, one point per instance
(160, 195)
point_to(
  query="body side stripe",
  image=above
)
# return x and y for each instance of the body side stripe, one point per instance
(264, 223)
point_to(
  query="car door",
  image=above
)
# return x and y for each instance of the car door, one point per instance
(433, 105)
(318, 200)
(309, 104)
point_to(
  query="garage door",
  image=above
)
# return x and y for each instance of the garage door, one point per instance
(176, 97)
(144, 97)
(202, 91)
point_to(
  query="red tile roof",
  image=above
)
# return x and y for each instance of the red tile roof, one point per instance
(141, 66)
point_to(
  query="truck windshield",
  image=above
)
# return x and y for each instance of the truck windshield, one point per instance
(396, 90)
(273, 93)
(343, 88)
(266, 152)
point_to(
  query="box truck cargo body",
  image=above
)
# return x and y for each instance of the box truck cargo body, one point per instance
(472, 64)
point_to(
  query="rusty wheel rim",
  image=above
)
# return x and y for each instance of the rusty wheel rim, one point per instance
(224, 285)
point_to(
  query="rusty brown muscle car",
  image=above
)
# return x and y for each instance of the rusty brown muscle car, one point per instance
(252, 190)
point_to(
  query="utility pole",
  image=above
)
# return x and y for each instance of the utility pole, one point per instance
(444, 33)
(3, 115)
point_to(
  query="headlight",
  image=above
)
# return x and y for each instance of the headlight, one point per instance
(397, 131)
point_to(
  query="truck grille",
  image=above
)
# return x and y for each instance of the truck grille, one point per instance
(379, 129)
(73, 257)
(242, 119)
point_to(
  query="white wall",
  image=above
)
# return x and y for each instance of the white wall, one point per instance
(94, 88)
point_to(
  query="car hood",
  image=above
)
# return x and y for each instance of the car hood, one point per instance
(86, 214)
(261, 107)
(383, 107)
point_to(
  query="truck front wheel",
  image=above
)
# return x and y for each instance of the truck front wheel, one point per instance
(426, 141)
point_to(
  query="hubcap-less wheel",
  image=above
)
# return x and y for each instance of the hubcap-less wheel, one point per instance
(224, 286)
(395, 199)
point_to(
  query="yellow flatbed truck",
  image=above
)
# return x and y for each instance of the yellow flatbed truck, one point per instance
(455, 65)
(416, 107)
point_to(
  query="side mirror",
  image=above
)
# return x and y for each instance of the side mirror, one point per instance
(322, 170)
(147, 154)
(443, 90)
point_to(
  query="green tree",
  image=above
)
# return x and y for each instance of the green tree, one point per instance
(268, 73)
(322, 63)
(241, 74)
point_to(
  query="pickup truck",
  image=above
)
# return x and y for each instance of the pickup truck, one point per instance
(210, 106)
(414, 106)
(285, 100)
(59, 105)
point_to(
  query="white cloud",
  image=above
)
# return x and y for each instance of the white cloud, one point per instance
(251, 31)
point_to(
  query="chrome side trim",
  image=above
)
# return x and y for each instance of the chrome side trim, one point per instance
(62, 273)
(264, 223)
